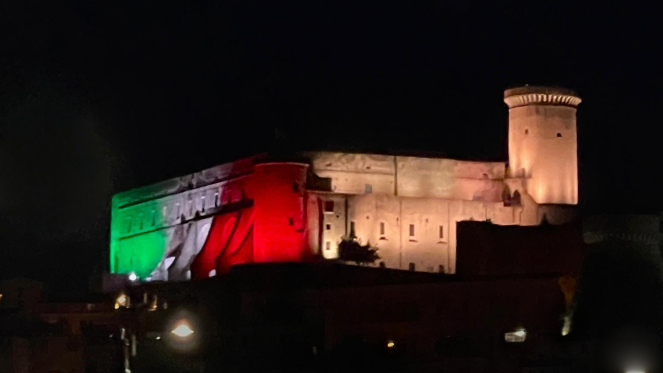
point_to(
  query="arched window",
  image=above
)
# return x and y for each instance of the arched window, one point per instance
(515, 200)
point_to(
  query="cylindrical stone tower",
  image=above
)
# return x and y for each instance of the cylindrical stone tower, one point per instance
(543, 143)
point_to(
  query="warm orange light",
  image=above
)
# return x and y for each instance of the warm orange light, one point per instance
(121, 301)
(182, 329)
(391, 344)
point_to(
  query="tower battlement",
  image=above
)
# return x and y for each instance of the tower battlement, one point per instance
(536, 95)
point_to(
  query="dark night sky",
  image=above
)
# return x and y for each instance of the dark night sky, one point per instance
(98, 97)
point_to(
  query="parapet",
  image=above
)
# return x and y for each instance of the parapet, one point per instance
(532, 95)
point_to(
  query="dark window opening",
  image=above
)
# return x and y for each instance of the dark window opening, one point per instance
(329, 206)
(295, 187)
(411, 266)
(291, 221)
(382, 265)
(381, 229)
(352, 229)
(328, 227)
(441, 232)
(515, 200)
(216, 199)
(526, 131)
(559, 134)
(411, 230)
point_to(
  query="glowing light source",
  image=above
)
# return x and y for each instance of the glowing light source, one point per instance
(635, 371)
(121, 301)
(566, 328)
(518, 336)
(391, 344)
(133, 277)
(182, 329)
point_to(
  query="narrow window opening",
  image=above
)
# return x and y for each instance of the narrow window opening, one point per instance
(515, 200)
(216, 199)
(328, 245)
(202, 203)
(381, 228)
(382, 265)
(291, 221)
(526, 131)
(154, 217)
(328, 227)
(441, 232)
(352, 229)
(329, 206)
(559, 134)
(411, 230)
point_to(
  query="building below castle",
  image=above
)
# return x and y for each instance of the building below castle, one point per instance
(261, 209)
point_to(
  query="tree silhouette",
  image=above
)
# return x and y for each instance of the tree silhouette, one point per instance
(351, 249)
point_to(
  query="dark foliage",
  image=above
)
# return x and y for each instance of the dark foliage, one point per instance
(352, 250)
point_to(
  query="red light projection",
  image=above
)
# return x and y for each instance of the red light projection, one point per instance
(278, 192)
(229, 242)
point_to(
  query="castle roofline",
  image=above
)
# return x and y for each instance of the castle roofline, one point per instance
(537, 95)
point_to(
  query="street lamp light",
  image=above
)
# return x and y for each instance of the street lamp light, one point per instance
(182, 329)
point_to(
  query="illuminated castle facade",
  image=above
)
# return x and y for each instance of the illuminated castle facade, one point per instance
(260, 210)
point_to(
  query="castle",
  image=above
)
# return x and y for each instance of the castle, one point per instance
(263, 210)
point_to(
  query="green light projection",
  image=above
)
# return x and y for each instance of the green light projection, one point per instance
(131, 250)
(141, 253)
